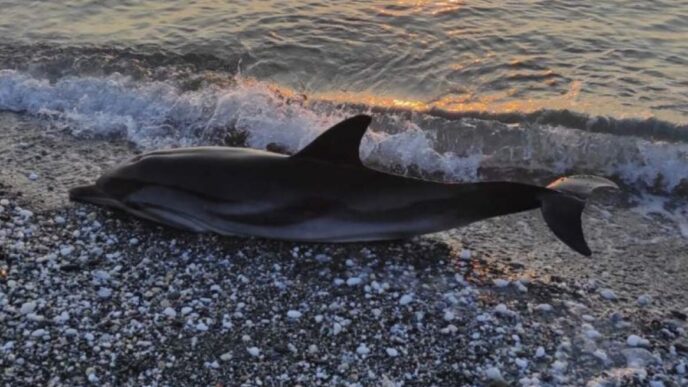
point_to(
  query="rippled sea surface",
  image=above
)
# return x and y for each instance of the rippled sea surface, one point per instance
(458, 86)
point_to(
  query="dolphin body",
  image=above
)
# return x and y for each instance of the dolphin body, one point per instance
(323, 193)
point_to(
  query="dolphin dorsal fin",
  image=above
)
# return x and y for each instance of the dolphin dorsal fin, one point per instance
(340, 143)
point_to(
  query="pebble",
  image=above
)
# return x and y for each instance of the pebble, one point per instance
(406, 299)
(253, 351)
(33, 176)
(638, 357)
(169, 312)
(644, 300)
(637, 341)
(391, 352)
(28, 307)
(544, 308)
(62, 318)
(201, 327)
(608, 294)
(104, 292)
(501, 283)
(294, 314)
(494, 374)
(39, 333)
(362, 349)
(353, 281)
(600, 354)
(540, 352)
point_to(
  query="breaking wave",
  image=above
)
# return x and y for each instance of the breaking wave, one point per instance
(454, 146)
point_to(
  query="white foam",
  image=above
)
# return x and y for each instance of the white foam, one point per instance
(160, 114)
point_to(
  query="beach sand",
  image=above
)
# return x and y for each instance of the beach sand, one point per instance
(90, 296)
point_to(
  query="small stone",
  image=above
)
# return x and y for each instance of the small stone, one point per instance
(33, 176)
(540, 352)
(226, 356)
(544, 308)
(28, 307)
(465, 254)
(201, 327)
(638, 357)
(92, 377)
(644, 300)
(494, 374)
(608, 294)
(253, 351)
(353, 281)
(62, 318)
(559, 366)
(637, 341)
(600, 354)
(34, 317)
(39, 333)
(104, 293)
(391, 352)
(406, 299)
(501, 283)
(66, 250)
(169, 312)
(362, 349)
(294, 314)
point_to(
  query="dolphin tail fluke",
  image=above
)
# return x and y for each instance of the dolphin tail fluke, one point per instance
(563, 205)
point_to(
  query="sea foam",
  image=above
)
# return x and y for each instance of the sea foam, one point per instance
(154, 114)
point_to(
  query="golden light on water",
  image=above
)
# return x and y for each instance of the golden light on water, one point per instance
(410, 7)
(494, 103)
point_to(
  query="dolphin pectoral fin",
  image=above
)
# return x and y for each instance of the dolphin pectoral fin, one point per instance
(562, 207)
(339, 143)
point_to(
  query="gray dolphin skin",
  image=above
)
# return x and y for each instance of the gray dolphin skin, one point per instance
(323, 193)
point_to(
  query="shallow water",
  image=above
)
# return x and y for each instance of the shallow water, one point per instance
(608, 57)
(460, 90)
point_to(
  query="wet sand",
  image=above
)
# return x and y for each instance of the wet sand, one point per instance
(89, 296)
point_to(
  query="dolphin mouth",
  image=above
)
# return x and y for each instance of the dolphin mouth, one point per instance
(90, 194)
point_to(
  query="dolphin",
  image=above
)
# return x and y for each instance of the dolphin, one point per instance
(323, 193)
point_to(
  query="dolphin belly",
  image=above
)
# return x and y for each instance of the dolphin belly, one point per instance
(313, 219)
